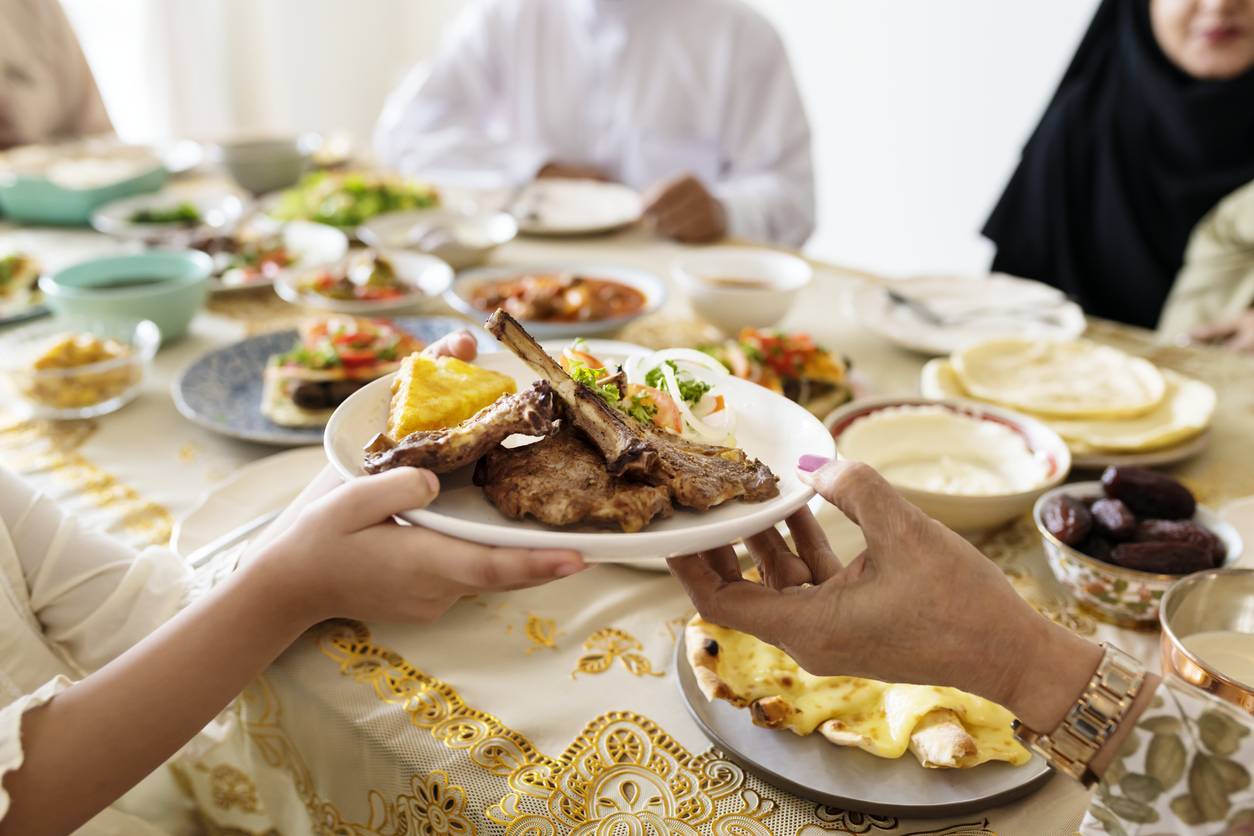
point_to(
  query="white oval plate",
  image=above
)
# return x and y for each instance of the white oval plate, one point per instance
(427, 276)
(218, 210)
(951, 295)
(310, 243)
(769, 427)
(257, 488)
(653, 288)
(555, 206)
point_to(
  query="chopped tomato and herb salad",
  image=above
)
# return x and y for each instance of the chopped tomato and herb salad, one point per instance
(349, 343)
(677, 390)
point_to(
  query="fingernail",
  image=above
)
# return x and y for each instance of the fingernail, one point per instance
(810, 463)
(566, 569)
(433, 481)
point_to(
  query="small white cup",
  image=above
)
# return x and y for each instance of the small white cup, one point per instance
(741, 287)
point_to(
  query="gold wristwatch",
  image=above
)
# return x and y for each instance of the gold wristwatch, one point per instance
(1070, 748)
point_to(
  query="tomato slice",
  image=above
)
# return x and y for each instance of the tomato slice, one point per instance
(574, 355)
(356, 357)
(666, 413)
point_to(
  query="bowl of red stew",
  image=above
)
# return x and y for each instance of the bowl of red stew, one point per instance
(367, 281)
(558, 301)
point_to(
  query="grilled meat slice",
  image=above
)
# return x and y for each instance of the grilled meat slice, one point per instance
(617, 437)
(562, 480)
(532, 411)
(701, 476)
(698, 476)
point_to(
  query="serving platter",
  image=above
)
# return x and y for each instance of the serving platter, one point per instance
(460, 292)
(218, 210)
(221, 391)
(847, 778)
(769, 427)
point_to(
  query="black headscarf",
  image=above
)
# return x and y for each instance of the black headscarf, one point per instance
(1129, 156)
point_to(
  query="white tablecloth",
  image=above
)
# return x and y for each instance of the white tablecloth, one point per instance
(551, 710)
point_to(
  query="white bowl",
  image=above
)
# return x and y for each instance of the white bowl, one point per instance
(963, 512)
(653, 288)
(771, 279)
(1122, 596)
(265, 165)
(471, 238)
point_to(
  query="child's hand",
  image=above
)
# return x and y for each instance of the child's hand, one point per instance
(345, 556)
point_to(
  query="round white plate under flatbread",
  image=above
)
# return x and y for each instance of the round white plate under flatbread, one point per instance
(1181, 417)
(1064, 379)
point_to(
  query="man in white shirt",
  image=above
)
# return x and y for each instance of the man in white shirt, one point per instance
(692, 102)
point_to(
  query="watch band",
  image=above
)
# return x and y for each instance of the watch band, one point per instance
(1070, 748)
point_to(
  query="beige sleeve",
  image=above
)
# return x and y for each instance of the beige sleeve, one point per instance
(1217, 280)
(93, 596)
(11, 755)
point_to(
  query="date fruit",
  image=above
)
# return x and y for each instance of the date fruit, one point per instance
(1066, 518)
(1149, 494)
(1098, 546)
(1182, 531)
(1162, 558)
(1113, 518)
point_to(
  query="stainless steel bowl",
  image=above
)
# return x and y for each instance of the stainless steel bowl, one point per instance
(1220, 599)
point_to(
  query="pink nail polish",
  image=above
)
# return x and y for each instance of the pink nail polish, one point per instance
(810, 463)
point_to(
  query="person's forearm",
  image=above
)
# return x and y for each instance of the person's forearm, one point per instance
(101, 736)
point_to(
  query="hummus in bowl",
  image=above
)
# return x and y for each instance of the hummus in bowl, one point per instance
(970, 466)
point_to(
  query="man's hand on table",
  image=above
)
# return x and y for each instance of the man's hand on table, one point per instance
(573, 171)
(1236, 334)
(920, 605)
(682, 208)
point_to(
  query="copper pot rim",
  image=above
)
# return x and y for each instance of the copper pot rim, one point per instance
(1177, 646)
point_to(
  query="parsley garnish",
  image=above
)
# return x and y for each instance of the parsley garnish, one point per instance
(690, 389)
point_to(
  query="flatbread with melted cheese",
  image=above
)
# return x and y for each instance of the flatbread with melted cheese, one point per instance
(941, 727)
(1063, 379)
(1184, 413)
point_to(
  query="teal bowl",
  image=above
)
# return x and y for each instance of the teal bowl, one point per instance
(165, 286)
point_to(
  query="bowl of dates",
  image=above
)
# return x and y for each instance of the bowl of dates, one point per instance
(1117, 545)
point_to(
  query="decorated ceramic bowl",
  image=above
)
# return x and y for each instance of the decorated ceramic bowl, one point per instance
(1126, 597)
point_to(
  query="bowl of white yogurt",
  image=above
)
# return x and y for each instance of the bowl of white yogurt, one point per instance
(971, 466)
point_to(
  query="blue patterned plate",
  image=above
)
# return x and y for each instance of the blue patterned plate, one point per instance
(221, 391)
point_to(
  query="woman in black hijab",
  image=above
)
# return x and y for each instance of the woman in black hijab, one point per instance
(1152, 125)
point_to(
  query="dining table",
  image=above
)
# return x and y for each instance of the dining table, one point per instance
(545, 711)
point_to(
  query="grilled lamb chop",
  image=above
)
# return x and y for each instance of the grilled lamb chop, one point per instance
(699, 476)
(562, 480)
(532, 411)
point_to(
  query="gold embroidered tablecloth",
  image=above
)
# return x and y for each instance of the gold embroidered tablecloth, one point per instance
(545, 711)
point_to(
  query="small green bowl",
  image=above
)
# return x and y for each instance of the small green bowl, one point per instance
(165, 286)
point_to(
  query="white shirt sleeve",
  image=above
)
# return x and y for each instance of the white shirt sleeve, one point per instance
(768, 188)
(443, 121)
(93, 596)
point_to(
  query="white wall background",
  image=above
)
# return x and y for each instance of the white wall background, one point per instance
(919, 107)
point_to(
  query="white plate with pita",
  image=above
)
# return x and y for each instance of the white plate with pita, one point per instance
(850, 779)
(557, 206)
(769, 427)
(974, 310)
